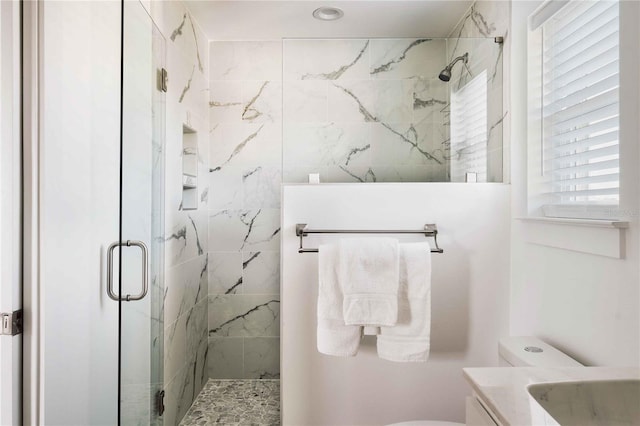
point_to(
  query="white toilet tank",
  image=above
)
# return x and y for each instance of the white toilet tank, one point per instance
(527, 351)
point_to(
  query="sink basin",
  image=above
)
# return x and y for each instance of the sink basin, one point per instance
(603, 403)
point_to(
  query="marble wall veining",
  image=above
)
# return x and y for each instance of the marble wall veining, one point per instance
(365, 110)
(245, 136)
(186, 230)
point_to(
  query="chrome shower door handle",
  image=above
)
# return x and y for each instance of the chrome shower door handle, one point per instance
(145, 267)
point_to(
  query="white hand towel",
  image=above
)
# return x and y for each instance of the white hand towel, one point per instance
(334, 337)
(409, 340)
(369, 279)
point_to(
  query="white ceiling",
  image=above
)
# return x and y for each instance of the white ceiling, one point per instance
(269, 20)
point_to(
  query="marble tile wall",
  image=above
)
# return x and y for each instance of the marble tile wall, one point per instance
(186, 231)
(487, 19)
(245, 113)
(361, 110)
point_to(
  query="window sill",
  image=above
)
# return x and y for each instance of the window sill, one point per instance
(592, 236)
(598, 223)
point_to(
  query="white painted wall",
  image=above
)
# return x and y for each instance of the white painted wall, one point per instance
(584, 304)
(469, 302)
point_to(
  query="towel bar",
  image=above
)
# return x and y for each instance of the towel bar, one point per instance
(430, 230)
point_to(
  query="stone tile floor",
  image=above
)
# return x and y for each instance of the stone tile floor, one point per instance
(236, 403)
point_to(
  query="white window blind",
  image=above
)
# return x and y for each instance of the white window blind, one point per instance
(580, 109)
(469, 130)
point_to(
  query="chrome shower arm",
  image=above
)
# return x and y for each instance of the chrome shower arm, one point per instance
(464, 58)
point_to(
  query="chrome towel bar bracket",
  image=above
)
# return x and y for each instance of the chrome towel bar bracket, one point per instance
(430, 230)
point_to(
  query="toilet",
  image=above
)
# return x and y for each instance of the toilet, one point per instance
(516, 352)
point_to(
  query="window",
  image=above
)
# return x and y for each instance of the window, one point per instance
(574, 85)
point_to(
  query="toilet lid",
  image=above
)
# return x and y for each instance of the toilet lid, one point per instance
(427, 423)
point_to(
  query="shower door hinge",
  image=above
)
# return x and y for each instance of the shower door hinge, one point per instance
(163, 79)
(160, 402)
(11, 323)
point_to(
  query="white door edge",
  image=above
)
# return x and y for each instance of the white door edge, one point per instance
(32, 337)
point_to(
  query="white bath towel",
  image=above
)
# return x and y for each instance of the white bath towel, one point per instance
(409, 340)
(333, 336)
(369, 278)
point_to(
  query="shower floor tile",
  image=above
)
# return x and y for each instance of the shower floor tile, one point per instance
(236, 403)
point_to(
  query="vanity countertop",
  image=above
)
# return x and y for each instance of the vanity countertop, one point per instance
(504, 389)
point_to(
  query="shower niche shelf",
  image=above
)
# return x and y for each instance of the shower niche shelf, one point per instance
(189, 168)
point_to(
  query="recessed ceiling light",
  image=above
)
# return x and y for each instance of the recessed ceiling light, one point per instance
(328, 13)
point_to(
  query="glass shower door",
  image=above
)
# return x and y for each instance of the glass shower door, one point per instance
(141, 256)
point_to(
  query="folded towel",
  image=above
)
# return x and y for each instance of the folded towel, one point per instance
(368, 275)
(334, 337)
(409, 340)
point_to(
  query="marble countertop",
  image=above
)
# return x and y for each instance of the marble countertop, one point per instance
(504, 389)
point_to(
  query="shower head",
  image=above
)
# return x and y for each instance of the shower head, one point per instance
(445, 74)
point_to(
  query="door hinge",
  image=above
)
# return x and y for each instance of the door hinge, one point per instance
(11, 323)
(160, 402)
(163, 80)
